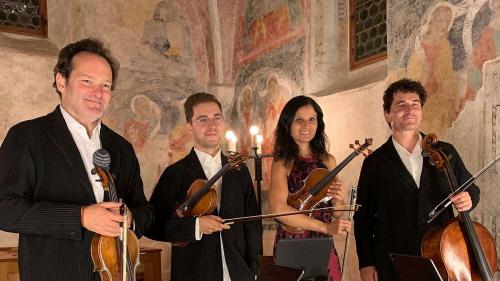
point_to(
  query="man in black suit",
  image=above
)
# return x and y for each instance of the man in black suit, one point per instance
(47, 191)
(216, 251)
(398, 187)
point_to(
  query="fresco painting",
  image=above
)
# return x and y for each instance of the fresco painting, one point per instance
(259, 103)
(270, 25)
(447, 53)
(485, 47)
(163, 33)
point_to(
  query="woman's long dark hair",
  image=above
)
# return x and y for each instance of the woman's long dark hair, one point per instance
(284, 145)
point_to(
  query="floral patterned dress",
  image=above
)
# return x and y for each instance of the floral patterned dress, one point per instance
(300, 170)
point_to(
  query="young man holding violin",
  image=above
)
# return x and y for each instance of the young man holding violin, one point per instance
(398, 187)
(215, 251)
(48, 193)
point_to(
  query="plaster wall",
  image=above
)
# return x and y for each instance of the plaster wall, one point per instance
(306, 54)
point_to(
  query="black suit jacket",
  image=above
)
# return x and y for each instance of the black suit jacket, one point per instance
(393, 208)
(43, 185)
(201, 260)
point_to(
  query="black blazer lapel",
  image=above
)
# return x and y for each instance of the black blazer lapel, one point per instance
(60, 135)
(226, 183)
(195, 170)
(392, 159)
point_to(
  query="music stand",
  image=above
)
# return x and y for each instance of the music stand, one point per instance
(415, 268)
(273, 272)
(310, 254)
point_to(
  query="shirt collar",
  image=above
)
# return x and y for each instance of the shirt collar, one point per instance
(206, 158)
(75, 126)
(416, 150)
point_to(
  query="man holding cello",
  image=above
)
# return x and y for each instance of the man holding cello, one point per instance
(212, 250)
(398, 187)
(48, 193)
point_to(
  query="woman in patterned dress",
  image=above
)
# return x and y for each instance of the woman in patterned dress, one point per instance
(301, 146)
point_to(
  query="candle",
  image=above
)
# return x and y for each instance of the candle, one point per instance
(254, 130)
(259, 139)
(231, 141)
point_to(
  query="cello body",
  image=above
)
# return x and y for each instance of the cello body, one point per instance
(448, 248)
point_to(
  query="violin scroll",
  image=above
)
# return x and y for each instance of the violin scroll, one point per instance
(235, 159)
(362, 147)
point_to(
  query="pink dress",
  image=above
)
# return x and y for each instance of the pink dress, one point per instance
(300, 170)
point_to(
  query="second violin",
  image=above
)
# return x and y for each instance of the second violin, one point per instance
(315, 186)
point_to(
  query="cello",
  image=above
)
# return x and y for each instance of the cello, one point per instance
(462, 250)
(115, 258)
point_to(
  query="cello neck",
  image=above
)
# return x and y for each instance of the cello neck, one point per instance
(471, 234)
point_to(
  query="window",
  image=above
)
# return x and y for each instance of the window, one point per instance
(367, 32)
(28, 17)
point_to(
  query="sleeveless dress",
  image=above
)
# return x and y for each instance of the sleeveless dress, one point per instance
(301, 168)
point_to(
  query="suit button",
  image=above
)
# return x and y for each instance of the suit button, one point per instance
(72, 233)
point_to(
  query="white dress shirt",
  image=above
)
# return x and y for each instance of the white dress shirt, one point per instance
(414, 160)
(86, 146)
(211, 165)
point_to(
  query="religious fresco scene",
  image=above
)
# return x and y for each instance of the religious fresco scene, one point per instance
(255, 55)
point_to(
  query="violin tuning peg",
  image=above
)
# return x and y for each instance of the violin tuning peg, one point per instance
(351, 146)
(356, 142)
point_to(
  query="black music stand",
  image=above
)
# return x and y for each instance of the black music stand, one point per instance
(273, 272)
(415, 268)
(310, 254)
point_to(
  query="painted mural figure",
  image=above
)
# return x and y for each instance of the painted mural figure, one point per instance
(270, 27)
(163, 34)
(398, 187)
(216, 251)
(246, 115)
(180, 141)
(145, 124)
(432, 63)
(143, 132)
(487, 47)
(275, 99)
(47, 191)
(299, 148)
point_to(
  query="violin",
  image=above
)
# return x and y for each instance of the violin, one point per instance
(314, 190)
(201, 198)
(462, 250)
(115, 258)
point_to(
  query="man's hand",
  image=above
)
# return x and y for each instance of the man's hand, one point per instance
(368, 273)
(211, 224)
(129, 215)
(462, 201)
(100, 218)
